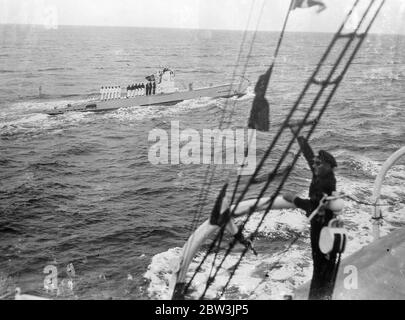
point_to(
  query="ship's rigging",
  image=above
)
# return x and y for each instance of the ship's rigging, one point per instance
(321, 86)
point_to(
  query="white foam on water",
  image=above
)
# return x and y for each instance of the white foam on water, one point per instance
(27, 118)
(393, 184)
(36, 123)
(30, 119)
(286, 272)
(366, 165)
(258, 277)
(277, 223)
(160, 273)
(26, 107)
(250, 93)
(266, 276)
(25, 124)
(357, 213)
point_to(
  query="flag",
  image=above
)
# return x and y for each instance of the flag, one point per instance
(307, 4)
(259, 115)
(220, 212)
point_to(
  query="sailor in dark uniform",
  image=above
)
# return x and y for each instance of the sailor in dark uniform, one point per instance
(153, 87)
(148, 89)
(323, 182)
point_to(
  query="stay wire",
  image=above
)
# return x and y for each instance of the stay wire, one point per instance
(275, 55)
(300, 127)
(206, 191)
(321, 112)
(326, 104)
(292, 111)
(210, 278)
(250, 139)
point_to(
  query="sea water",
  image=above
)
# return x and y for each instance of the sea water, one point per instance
(79, 189)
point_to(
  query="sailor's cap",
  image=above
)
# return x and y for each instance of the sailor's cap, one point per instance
(327, 157)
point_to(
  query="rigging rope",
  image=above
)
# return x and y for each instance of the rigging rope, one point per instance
(320, 112)
(206, 191)
(295, 134)
(199, 201)
(207, 184)
(275, 55)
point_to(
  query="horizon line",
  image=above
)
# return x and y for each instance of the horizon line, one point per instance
(182, 28)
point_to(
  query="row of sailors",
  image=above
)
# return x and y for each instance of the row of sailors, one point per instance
(141, 89)
(109, 93)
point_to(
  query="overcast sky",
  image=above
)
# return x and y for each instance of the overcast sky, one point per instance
(195, 14)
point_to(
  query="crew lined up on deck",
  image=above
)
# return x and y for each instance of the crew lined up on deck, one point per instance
(135, 90)
(110, 93)
(139, 89)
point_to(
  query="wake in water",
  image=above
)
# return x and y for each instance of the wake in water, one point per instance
(151, 112)
(28, 119)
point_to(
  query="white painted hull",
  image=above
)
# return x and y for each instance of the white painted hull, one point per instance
(226, 90)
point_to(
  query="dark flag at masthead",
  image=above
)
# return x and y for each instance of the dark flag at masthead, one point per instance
(259, 115)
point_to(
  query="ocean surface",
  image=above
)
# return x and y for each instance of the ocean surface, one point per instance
(79, 188)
